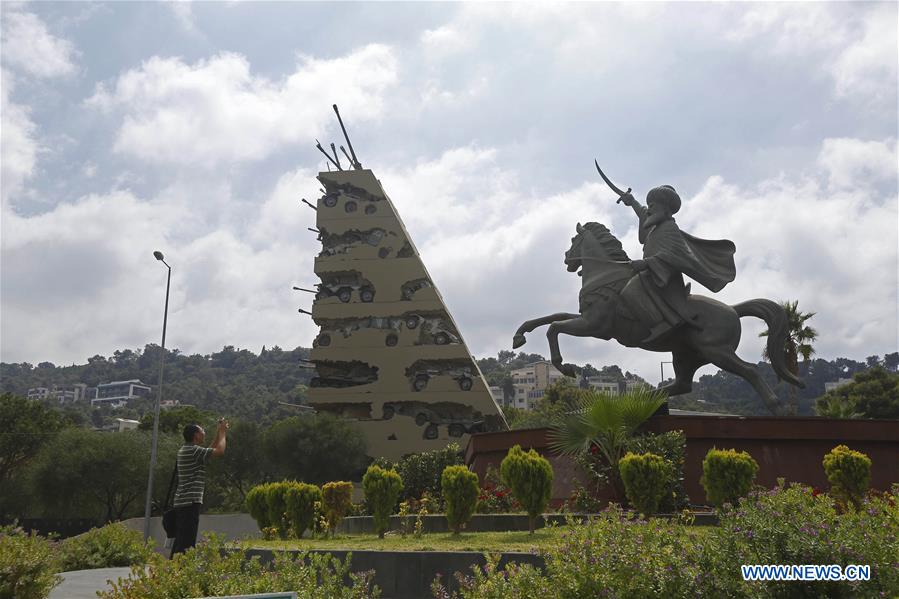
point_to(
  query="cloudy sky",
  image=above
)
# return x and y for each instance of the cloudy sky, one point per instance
(189, 128)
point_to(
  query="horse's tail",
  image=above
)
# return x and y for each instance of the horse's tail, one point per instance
(776, 318)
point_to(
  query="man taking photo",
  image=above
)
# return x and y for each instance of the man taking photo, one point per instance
(192, 460)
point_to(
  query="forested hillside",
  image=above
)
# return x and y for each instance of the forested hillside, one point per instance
(239, 383)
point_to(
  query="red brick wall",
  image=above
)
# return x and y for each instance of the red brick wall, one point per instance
(792, 448)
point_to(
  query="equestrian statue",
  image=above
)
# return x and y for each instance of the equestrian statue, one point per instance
(646, 304)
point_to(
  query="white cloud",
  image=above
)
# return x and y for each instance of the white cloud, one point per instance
(18, 143)
(855, 162)
(30, 48)
(217, 110)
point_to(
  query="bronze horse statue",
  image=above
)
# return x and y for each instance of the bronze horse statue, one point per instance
(605, 270)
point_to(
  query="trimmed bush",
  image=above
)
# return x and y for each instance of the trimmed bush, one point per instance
(460, 493)
(113, 545)
(382, 488)
(646, 477)
(276, 501)
(300, 500)
(530, 477)
(672, 446)
(849, 473)
(257, 504)
(727, 475)
(28, 565)
(337, 499)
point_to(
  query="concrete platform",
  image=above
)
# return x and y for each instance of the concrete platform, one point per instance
(84, 584)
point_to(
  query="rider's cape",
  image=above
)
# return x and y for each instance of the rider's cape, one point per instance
(668, 250)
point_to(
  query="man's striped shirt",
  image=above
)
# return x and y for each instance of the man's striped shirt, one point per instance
(191, 474)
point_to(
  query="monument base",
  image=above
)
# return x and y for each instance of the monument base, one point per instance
(789, 448)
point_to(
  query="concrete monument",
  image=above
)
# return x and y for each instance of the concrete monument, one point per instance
(389, 354)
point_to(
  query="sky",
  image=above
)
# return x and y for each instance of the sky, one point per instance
(189, 128)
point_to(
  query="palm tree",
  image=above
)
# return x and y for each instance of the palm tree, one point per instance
(605, 422)
(799, 343)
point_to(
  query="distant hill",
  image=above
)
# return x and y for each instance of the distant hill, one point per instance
(241, 384)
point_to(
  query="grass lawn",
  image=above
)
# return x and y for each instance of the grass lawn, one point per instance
(473, 541)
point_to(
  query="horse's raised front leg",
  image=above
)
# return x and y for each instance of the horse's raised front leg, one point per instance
(576, 327)
(529, 325)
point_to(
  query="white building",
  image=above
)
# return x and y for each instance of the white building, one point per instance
(603, 385)
(38, 393)
(125, 424)
(498, 396)
(62, 394)
(118, 393)
(530, 383)
(834, 384)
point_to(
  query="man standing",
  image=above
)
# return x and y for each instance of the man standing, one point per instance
(192, 459)
(668, 254)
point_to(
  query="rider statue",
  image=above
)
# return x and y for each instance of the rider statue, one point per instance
(657, 292)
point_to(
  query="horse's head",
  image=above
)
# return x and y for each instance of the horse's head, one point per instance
(593, 240)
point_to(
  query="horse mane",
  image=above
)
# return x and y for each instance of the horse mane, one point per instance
(608, 241)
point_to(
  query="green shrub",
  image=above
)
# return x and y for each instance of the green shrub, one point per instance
(300, 500)
(337, 500)
(727, 475)
(212, 570)
(646, 477)
(257, 504)
(530, 477)
(382, 488)
(672, 446)
(113, 545)
(797, 525)
(460, 493)
(421, 472)
(276, 501)
(849, 473)
(616, 555)
(28, 565)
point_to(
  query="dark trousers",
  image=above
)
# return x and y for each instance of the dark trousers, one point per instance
(188, 520)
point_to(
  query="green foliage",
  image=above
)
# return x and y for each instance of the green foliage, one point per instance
(276, 501)
(231, 475)
(113, 545)
(300, 501)
(212, 570)
(337, 500)
(173, 420)
(646, 477)
(617, 555)
(257, 504)
(421, 472)
(796, 525)
(873, 393)
(672, 446)
(849, 473)
(28, 565)
(460, 493)
(727, 475)
(81, 473)
(530, 477)
(27, 426)
(316, 449)
(606, 423)
(382, 489)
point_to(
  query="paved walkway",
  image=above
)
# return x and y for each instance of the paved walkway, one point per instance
(84, 584)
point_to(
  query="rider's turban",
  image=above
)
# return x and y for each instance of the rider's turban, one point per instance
(666, 195)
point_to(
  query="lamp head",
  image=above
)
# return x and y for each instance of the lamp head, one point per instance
(158, 255)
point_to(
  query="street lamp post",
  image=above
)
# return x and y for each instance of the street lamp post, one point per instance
(165, 317)
(662, 371)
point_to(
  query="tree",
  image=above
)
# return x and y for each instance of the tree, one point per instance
(891, 361)
(316, 449)
(27, 425)
(799, 343)
(100, 475)
(382, 488)
(173, 420)
(243, 465)
(460, 492)
(605, 423)
(873, 393)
